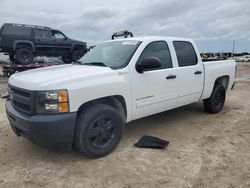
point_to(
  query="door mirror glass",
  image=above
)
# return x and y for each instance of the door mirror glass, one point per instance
(149, 63)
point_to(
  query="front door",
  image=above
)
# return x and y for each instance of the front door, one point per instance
(154, 90)
(61, 42)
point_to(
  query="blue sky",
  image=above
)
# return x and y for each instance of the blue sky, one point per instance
(214, 24)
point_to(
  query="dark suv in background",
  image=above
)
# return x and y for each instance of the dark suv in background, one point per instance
(23, 42)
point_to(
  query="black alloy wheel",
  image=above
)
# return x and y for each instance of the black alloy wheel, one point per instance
(215, 103)
(99, 130)
(102, 132)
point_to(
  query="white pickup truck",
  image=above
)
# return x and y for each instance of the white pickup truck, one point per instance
(86, 104)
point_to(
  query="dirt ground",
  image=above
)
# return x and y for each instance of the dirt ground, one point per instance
(204, 151)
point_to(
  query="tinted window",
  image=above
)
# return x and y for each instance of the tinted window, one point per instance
(16, 30)
(42, 34)
(159, 50)
(185, 53)
(57, 35)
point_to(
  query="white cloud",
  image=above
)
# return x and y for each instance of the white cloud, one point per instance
(205, 21)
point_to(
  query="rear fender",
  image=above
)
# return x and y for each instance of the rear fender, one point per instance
(15, 44)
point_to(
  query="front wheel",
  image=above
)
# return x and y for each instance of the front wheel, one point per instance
(77, 54)
(98, 131)
(215, 103)
(67, 60)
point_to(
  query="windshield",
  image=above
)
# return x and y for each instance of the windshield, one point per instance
(113, 54)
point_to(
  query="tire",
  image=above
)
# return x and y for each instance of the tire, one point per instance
(24, 56)
(99, 130)
(77, 54)
(215, 103)
(67, 60)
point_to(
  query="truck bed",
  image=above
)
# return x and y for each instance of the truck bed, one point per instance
(215, 69)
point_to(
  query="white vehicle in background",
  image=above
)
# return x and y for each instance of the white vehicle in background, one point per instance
(86, 104)
(245, 58)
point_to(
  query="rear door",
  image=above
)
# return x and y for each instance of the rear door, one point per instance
(190, 73)
(43, 40)
(154, 90)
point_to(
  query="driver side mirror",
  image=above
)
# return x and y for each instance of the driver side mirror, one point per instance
(148, 64)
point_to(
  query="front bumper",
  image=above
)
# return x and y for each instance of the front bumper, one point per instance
(45, 130)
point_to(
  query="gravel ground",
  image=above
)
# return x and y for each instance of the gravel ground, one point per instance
(204, 151)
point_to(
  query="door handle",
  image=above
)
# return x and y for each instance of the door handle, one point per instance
(197, 72)
(171, 77)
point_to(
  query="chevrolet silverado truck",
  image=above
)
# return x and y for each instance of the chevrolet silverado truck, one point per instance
(22, 42)
(85, 105)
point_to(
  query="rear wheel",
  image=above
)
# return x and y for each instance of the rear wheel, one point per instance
(99, 130)
(24, 56)
(215, 103)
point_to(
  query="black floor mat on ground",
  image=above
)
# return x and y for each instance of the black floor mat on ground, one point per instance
(151, 142)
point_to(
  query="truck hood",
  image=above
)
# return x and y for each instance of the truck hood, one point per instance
(57, 77)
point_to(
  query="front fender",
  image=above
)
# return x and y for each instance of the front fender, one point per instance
(78, 45)
(108, 85)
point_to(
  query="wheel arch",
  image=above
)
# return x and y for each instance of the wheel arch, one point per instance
(224, 80)
(23, 43)
(78, 47)
(116, 101)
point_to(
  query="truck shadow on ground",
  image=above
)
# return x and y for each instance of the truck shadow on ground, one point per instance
(165, 119)
(155, 125)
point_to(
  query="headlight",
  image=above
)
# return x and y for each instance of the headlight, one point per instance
(51, 102)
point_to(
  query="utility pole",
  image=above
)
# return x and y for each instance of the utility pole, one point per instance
(233, 48)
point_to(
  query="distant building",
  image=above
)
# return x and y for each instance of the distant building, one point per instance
(216, 55)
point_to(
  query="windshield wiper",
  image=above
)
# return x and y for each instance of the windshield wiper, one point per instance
(95, 64)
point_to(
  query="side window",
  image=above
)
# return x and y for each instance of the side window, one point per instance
(42, 34)
(57, 35)
(186, 54)
(159, 50)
